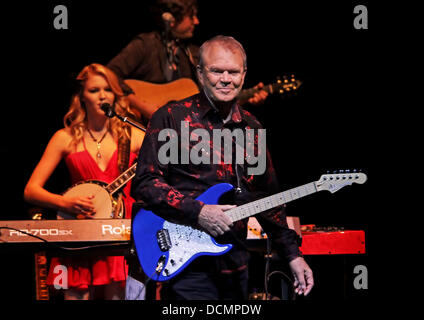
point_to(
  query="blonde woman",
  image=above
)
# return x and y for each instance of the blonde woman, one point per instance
(89, 146)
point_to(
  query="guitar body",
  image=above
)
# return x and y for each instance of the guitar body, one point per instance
(160, 94)
(176, 245)
(107, 206)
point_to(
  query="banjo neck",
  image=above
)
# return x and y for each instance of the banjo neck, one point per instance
(121, 180)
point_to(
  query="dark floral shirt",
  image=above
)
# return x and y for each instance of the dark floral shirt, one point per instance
(170, 190)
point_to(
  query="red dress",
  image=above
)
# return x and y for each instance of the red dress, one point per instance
(94, 270)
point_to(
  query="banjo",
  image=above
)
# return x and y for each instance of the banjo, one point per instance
(107, 201)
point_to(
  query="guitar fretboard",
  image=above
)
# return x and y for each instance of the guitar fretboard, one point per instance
(116, 184)
(281, 87)
(270, 202)
(248, 93)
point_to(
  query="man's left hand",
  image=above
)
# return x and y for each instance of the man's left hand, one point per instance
(303, 277)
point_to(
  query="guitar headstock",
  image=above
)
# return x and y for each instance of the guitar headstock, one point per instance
(335, 181)
(288, 84)
(285, 86)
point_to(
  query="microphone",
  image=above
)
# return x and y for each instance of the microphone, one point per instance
(108, 110)
(110, 113)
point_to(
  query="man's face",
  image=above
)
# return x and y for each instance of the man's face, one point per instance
(185, 29)
(223, 72)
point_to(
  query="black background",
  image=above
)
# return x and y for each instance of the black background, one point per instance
(333, 122)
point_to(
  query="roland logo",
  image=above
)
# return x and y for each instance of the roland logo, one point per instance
(115, 230)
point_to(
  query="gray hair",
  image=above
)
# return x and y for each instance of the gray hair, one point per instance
(227, 42)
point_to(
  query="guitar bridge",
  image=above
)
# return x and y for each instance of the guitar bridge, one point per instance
(164, 241)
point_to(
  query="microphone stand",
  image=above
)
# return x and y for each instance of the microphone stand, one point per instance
(131, 122)
(110, 113)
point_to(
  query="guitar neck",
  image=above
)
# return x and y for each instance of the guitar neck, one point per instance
(116, 184)
(281, 86)
(246, 94)
(258, 206)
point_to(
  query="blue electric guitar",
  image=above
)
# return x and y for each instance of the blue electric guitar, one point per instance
(165, 249)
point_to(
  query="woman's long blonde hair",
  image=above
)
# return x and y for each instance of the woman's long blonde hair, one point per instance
(75, 119)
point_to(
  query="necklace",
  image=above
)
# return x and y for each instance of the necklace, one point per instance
(98, 142)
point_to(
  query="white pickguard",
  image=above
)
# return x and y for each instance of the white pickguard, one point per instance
(187, 242)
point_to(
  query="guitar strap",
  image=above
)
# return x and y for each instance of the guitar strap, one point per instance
(190, 56)
(193, 62)
(124, 149)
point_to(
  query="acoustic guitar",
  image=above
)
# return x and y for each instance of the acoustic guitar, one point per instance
(160, 94)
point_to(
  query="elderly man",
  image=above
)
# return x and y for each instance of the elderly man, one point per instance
(170, 188)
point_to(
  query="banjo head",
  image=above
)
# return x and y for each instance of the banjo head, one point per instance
(106, 206)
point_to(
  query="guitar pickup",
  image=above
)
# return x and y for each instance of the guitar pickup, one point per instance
(164, 241)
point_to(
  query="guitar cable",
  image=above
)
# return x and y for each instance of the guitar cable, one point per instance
(158, 270)
(269, 274)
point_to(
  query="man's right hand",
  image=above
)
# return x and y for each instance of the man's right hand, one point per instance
(214, 220)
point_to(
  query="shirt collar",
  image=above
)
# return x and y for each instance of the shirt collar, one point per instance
(206, 106)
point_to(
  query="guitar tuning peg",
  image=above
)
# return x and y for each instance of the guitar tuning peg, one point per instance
(347, 171)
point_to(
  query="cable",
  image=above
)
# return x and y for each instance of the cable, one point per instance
(66, 248)
(287, 277)
(28, 234)
(82, 248)
(267, 258)
(268, 274)
(145, 284)
(158, 270)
